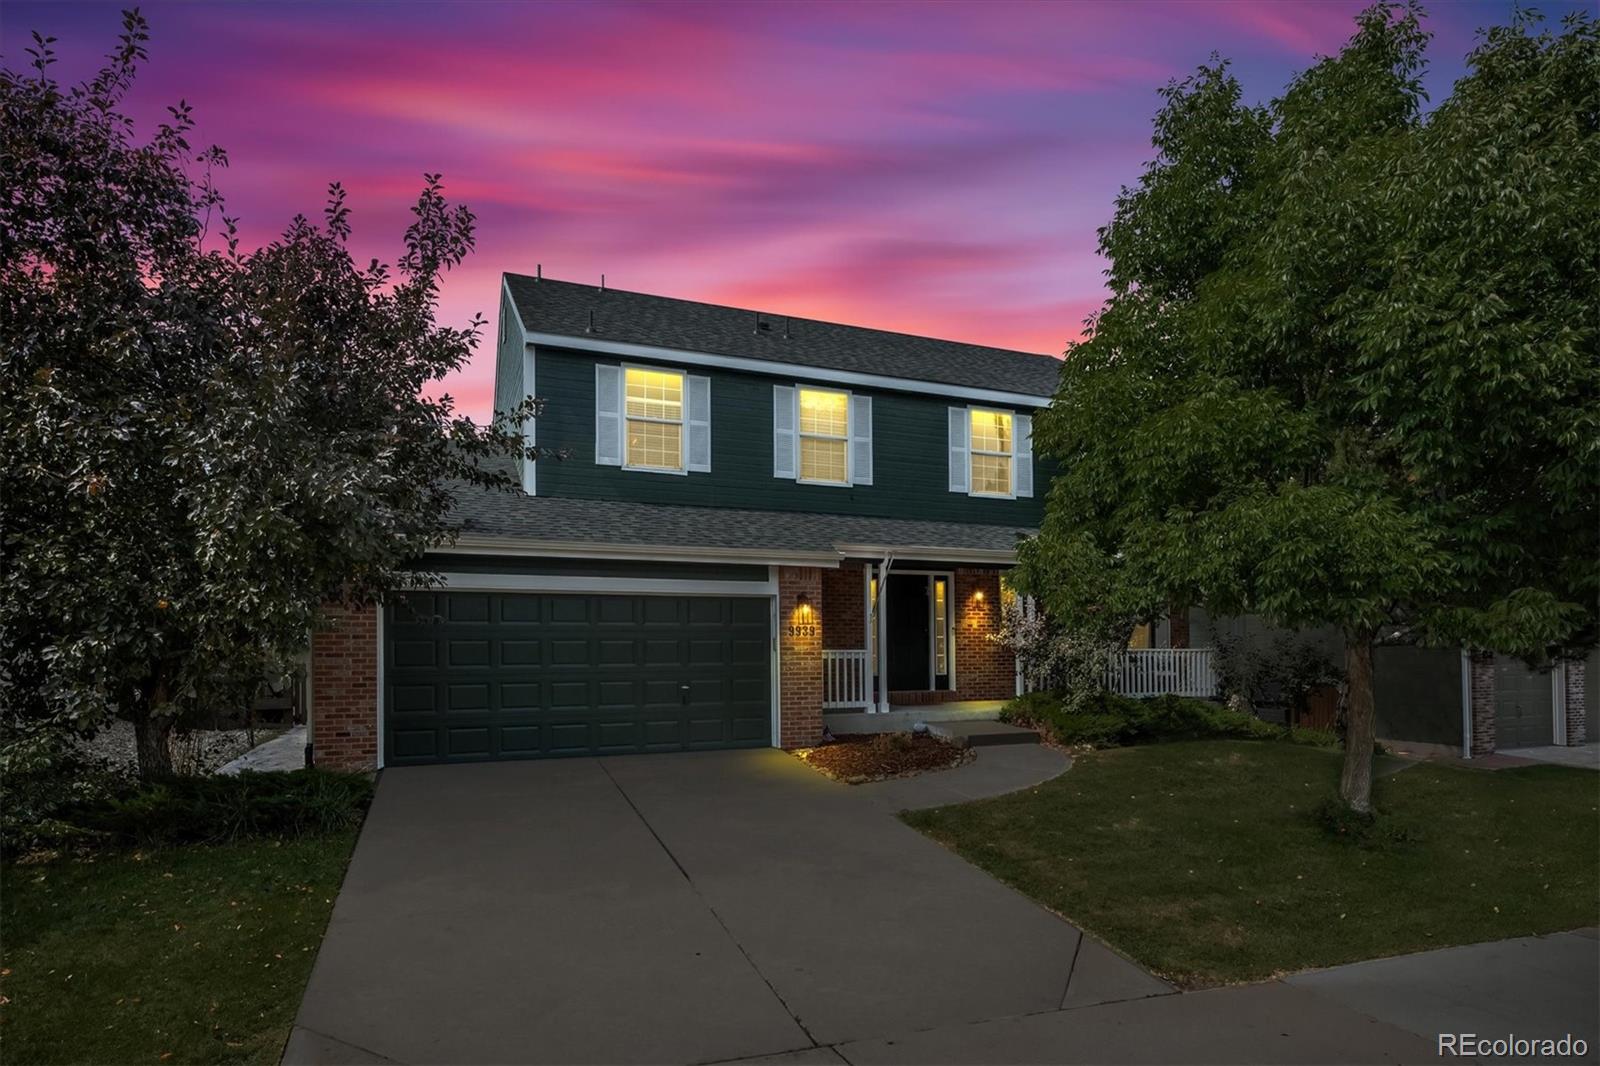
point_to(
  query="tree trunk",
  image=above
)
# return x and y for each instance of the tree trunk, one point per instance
(152, 728)
(1361, 723)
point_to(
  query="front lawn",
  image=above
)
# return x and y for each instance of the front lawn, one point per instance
(1204, 861)
(177, 955)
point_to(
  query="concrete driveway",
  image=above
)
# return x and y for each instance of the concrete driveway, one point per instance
(731, 906)
(682, 908)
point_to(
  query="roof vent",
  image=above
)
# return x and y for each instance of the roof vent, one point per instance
(591, 321)
(538, 272)
(762, 326)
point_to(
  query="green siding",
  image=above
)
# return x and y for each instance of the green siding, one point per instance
(910, 454)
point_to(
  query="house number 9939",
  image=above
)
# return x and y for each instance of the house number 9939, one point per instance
(803, 629)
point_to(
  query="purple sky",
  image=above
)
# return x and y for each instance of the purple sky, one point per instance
(932, 168)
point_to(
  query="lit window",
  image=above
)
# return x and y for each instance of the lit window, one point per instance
(654, 409)
(824, 436)
(941, 629)
(991, 453)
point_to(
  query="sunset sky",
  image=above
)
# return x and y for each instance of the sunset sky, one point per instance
(935, 168)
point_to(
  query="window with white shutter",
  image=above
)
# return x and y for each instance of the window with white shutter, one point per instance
(783, 434)
(607, 415)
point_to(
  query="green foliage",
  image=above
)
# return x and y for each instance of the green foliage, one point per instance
(1286, 671)
(1111, 720)
(202, 446)
(1346, 373)
(1068, 661)
(44, 777)
(228, 807)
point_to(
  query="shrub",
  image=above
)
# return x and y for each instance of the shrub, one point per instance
(44, 775)
(213, 810)
(1112, 719)
(891, 743)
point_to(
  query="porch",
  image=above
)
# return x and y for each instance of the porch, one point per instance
(906, 641)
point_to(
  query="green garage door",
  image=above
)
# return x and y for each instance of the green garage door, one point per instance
(1523, 705)
(472, 676)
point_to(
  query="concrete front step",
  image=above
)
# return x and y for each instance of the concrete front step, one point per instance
(970, 734)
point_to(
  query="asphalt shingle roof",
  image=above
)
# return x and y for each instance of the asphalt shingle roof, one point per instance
(564, 307)
(553, 519)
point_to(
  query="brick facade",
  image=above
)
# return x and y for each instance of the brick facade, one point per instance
(1576, 710)
(985, 669)
(1481, 687)
(344, 690)
(844, 607)
(800, 644)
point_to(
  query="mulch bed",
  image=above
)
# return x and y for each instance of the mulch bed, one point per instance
(858, 758)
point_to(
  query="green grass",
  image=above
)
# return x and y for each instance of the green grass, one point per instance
(1203, 860)
(179, 955)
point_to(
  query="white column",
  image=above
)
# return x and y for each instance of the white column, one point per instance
(883, 642)
(866, 634)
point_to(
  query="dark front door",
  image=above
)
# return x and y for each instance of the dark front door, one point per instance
(907, 614)
(472, 676)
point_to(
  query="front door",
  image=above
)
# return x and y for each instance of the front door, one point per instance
(908, 614)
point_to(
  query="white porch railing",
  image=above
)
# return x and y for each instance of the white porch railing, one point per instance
(1162, 671)
(846, 681)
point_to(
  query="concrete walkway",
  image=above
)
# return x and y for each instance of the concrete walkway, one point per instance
(1583, 756)
(993, 771)
(285, 752)
(738, 907)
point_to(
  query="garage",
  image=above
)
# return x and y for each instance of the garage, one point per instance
(1524, 701)
(477, 676)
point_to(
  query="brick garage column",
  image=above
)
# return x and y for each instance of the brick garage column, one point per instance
(985, 668)
(1576, 710)
(844, 608)
(1481, 693)
(800, 656)
(344, 690)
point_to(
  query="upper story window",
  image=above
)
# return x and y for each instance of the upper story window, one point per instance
(991, 453)
(652, 419)
(654, 411)
(824, 436)
(821, 436)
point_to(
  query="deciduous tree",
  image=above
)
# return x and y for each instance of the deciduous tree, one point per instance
(1347, 371)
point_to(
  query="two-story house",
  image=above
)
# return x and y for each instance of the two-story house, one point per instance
(756, 519)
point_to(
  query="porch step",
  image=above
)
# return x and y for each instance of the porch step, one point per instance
(970, 734)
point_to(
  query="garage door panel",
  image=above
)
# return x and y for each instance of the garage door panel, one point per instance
(618, 652)
(476, 676)
(569, 695)
(1524, 706)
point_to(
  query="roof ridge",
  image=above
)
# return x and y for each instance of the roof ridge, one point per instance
(544, 279)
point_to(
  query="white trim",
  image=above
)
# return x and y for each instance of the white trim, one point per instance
(883, 633)
(977, 556)
(383, 688)
(1466, 704)
(1011, 456)
(518, 546)
(682, 421)
(505, 288)
(530, 426)
(580, 583)
(781, 369)
(800, 436)
(777, 652)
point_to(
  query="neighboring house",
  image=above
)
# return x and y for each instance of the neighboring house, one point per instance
(1440, 700)
(758, 518)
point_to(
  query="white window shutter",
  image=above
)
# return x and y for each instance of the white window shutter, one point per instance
(1024, 454)
(960, 458)
(697, 443)
(607, 415)
(784, 441)
(860, 440)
